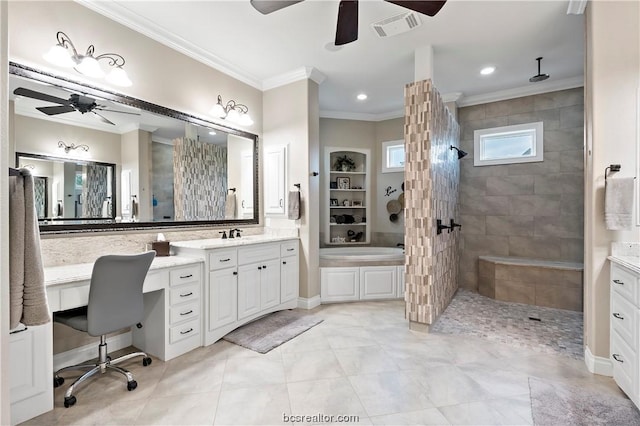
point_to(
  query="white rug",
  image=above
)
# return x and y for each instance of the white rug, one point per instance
(555, 403)
(271, 331)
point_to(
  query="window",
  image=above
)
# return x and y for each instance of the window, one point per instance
(521, 143)
(393, 156)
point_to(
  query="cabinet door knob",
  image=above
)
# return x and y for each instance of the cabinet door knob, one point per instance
(617, 357)
(186, 276)
(186, 313)
(259, 268)
(187, 331)
(617, 315)
(284, 263)
(281, 202)
(225, 260)
(264, 266)
(618, 282)
(235, 272)
(187, 294)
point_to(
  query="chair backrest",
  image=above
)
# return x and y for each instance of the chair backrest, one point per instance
(115, 294)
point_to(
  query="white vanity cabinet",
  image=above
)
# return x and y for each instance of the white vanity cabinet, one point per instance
(274, 180)
(289, 271)
(350, 283)
(30, 387)
(244, 280)
(625, 330)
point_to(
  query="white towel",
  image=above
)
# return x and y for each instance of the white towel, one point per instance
(27, 295)
(294, 205)
(618, 203)
(230, 206)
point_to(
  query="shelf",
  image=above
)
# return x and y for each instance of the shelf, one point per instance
(347, 207)
(347, 173)
(348, 224)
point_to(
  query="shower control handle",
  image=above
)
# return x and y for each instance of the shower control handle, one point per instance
(453, 225)
(440, 227)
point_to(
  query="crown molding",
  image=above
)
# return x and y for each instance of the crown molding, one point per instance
(302, 73)
(576, 7)
(345, 115)
(142, 25)
(518, 92)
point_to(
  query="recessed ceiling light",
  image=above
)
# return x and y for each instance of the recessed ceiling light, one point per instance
(212, 133)
(487, 70)
(362, 97)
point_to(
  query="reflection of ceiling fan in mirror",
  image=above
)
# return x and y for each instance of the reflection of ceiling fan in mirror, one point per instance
(76, 102)
(347, 28)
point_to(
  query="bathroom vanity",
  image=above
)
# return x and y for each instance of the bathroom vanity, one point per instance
(625, 321)
(244, 279)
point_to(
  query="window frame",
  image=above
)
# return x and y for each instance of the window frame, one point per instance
(538, 143)
(385, 156)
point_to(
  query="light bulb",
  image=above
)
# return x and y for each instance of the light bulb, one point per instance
(218, 111)
(59, 56)
(233, 116)
(245, 120)
(119, 77)
(90, 67)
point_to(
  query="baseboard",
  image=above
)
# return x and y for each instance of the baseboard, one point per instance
(87, 352)
(308, 303)
(597, 364)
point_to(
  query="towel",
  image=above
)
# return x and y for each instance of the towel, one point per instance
(294, 205)
(27, 295)
(106, 208)
(230, 206)
(618, 203)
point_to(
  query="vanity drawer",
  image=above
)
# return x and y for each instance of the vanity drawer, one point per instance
(289, 248)
(188, 274)
(624, 320)
(185, 293)
(74, 297)
(625, 283)
(625, 365)
(184, 312)
(181, 332)
(258, 253)
(220, 259)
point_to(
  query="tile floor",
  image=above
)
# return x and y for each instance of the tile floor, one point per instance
(361, 361)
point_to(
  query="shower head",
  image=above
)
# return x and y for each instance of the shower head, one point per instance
(539, 76)
(461, 153)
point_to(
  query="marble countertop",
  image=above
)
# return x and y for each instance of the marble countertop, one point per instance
(230, 242)
(629, 262)
(55, 275)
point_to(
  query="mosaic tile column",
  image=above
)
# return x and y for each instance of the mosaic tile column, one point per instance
(432, 174)
(200, 180)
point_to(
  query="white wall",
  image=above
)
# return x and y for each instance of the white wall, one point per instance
(611, 107)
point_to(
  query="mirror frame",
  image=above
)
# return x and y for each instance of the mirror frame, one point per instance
(114, 196)
(62, 228)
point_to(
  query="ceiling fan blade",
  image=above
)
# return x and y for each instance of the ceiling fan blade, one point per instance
(103, 118)
(267, 6)
(99, 108)
(425, 7)
(347, 28)
(21, 91)
(54, 110)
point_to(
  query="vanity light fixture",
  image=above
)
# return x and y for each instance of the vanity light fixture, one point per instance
(64, 54)
(68, 148)
(232, 111)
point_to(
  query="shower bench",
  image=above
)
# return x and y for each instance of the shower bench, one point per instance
(531, 281)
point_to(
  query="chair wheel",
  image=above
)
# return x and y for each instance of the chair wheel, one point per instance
(132, 385)
(69, 401)
(146, 361)
(57, 381)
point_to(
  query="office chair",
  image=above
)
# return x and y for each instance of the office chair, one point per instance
(115, 302)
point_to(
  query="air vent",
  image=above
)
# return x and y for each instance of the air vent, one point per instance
(396, 24)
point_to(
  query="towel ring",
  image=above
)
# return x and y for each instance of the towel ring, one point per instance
(297, 185)
(612, 168)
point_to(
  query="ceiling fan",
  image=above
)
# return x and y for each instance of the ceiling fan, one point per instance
(347, 28)
(76, 102)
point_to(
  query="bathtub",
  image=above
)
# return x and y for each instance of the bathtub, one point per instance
(362, 254)
(361, 273)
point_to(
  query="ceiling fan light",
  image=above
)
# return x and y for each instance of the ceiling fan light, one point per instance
(233, 116)
(245, 120)
(218, 111)
(90, 67)
(119, 77)
(60, 56)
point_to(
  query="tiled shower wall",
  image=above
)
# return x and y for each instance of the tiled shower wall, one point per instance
(530, 210)
(431, 193)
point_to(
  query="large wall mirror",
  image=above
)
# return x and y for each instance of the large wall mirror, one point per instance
(105, 161)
